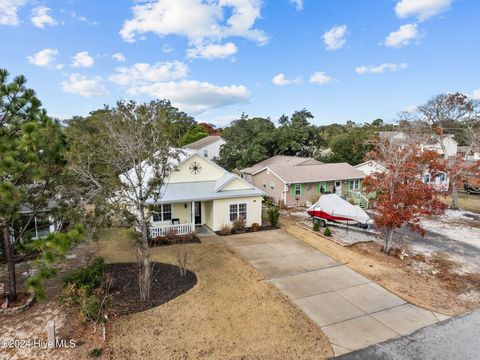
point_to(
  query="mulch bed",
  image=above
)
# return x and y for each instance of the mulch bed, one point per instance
(247, 230)
(167, 284)
(166, 241)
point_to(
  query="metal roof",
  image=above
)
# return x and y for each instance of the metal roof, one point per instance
(207, 140)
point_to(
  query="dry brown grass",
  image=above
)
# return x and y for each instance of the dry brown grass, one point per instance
(230, 313)
(466, 202)
(429, 290)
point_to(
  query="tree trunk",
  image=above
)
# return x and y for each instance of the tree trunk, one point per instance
(12, 279)
(144, 275)
(454, 204)
(388, 241)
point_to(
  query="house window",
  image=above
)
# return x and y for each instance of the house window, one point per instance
(355, 184)
(162, 213)
(238, 211)
(205, 153)
(298, 189)
(426, 178)
(272, 185)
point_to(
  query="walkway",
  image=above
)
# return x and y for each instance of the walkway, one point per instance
(352, 311)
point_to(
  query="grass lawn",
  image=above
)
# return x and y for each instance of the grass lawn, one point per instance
(466, 202)
(231, 312)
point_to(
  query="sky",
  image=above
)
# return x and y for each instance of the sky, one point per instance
(342, 60)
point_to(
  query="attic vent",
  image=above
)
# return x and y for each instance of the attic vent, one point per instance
(268, 171)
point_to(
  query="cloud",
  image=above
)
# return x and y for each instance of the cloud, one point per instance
(8, 11)
(82, 59)
(319, 77)
(403, 36)
(422, 9)
(281, 80)
(141, 73)
(86, 87)
(40, 17)
(201, 22)
(43, 58)
(335, 38)
(212, 51)
(476, 94)
(379, 69)
(298, 4)
(410, 108)
(119, 57)
(194, 96)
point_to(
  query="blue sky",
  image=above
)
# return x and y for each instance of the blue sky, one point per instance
(341, 59)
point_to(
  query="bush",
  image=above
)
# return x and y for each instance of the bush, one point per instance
(87, 277)
(239, 225)
(316, 225)
(256, 226)
(95, 352)
(273, 216)
(327, 232)
(225, 230)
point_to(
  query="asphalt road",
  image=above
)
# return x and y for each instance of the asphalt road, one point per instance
(457, 338)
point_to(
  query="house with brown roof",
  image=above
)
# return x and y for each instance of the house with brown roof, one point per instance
(208, 147)
(295, 180)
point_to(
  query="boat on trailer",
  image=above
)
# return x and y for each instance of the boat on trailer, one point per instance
(331, 208)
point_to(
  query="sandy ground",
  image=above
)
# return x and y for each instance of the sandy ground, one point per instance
(415, 281)
(230, 313)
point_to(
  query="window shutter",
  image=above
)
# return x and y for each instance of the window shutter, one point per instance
(348, 185)
(301, 189)
(293, 189)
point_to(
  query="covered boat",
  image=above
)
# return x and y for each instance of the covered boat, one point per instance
(331, 207)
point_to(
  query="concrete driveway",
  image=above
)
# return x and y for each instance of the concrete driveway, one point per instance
(352, 311)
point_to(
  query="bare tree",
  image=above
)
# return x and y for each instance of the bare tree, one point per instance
(447, 113)
(126, 162)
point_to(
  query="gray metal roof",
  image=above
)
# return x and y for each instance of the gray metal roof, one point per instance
(207, 140)
(200, 191)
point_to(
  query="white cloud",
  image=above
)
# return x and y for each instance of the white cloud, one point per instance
(202, 22)
(119, 57)
(298, 4)
(379, 69)
(43, 58)
(410, 108)
(281, 80)
(167, 49)
(476, 94)
(86, 87)
(194, 96)
(403, 36)
(320, 77)
(82, 59)
(212, 51)
(335, 38)
(422, 9)
(41, 17)
(141, 73)
(8, 11)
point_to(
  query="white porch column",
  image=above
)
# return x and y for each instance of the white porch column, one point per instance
(192, 220)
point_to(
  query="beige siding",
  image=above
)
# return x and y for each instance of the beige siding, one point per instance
(264, 180)
(208, 214)
(236, 185)
(209, 172)
(311, 192)
(221, 211)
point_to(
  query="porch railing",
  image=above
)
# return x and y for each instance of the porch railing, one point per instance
(359, 199)
(180, 229)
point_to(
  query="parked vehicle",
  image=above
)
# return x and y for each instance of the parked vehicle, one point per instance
(471, 189)
(331, 208)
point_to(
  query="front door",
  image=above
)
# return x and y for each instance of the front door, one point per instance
(338, 188)
(198, 213)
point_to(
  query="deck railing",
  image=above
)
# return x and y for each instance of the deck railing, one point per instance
(180, 229)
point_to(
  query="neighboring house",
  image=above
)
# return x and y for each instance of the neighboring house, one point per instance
(208, 147)
(369, 167)
(469, 153)
(439, 182)
(399, 138)
(296, 181)
(200, 192)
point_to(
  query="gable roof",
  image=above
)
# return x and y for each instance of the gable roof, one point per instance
(280, 160)
(207, 140)
(316, 173)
